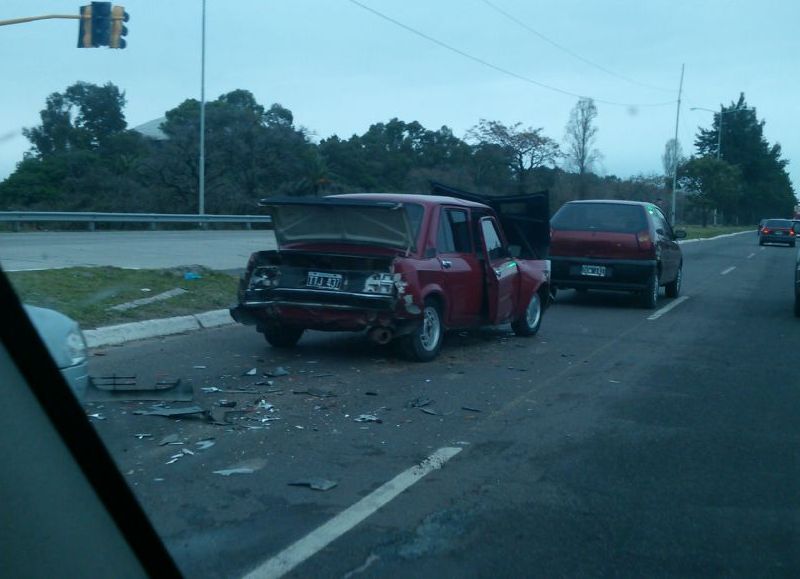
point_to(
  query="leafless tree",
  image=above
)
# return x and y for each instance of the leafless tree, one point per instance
(524, 149)
(672, 158)
(580, 137)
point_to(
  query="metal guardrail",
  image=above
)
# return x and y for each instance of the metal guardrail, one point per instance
(17, 217)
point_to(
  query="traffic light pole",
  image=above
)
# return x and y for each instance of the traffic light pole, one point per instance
(34, 18)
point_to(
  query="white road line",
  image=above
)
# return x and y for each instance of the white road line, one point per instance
(751, 255)
(322, 536)
(658, 313)
(727, 271)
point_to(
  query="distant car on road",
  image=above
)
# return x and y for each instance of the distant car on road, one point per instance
(777, 231)
(65, 342)
(403, 267)
(616, 245)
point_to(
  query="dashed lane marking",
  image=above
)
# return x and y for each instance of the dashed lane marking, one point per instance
(322, 536)
(658, 313)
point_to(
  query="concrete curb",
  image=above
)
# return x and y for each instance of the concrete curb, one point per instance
(123, 333)
(684, 241)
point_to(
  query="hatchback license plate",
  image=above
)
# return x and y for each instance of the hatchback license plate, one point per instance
(324, 280)
(593, 270)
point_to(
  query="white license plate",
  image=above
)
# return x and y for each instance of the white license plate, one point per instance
(593, 270)
(324, 280)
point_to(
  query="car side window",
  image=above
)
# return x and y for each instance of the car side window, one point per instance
(444, 237)
(491, 239)
(453, 234)
(662, 223)
(459, 224)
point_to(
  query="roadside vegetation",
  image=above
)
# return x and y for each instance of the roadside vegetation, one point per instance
(87, 293)
(700, 232)
(85, 157)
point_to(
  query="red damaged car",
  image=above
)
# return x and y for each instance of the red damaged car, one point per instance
(402, 267)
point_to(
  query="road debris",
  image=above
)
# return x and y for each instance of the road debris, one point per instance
(149, 300)
(171, 412)
(367, 418)
(205, 444)
(431, 411)
(142, 435)
(226, 403)
(317, 484)
(277, 372)
(199, 367)
(471, 409)
(97, 416)
(210, 389)
(419, 402)
(251, 372)
(192, 276)
(370, 393)
(614, 381)
(248, 467)
(262, 404)
(170, 439)
(316, 392)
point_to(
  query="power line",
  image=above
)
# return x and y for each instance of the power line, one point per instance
(499, 68)
(571, 52)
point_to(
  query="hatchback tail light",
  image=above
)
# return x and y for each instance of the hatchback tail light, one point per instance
(644, 240)
(765, 230)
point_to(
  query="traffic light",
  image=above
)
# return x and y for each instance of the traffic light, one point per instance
(102, 25)
(85, 30)
(118, 28)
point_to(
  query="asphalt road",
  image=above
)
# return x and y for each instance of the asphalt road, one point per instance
(223, 250)
(609, 445)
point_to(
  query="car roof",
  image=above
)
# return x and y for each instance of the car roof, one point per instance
(612, 202)
(428, 200)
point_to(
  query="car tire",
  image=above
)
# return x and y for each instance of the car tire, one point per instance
(282, 336)
(649, 297)
(528, 324)
(424, 343)
(792, 244)
(673, 288)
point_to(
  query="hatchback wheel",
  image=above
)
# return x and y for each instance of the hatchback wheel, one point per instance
(650, 296)
(673, 288)
(530, 321)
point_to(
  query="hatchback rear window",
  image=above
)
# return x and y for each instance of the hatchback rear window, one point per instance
(613, 217)
(778, 223)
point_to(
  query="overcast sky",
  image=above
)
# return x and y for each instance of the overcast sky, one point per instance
(340, 68)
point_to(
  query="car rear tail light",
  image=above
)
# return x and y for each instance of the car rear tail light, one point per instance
(791, 232)
(644, 240)
(765, 230)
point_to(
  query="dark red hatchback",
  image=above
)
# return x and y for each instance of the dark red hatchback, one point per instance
(615, 245)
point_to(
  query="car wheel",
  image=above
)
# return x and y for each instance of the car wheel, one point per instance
(529, 323)
(424, 343)
(282, 336)
(673, 288)
(649, 296)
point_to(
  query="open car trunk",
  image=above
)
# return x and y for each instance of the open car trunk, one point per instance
(524, 218)
(340, 222)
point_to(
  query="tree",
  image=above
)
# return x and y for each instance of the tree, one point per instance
(84, 116)
(671, 159)
(524, 150)
(765, 182)
(580, 138)
(713, 184)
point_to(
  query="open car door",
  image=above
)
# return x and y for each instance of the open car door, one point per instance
(501, 273)
(525, 218)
